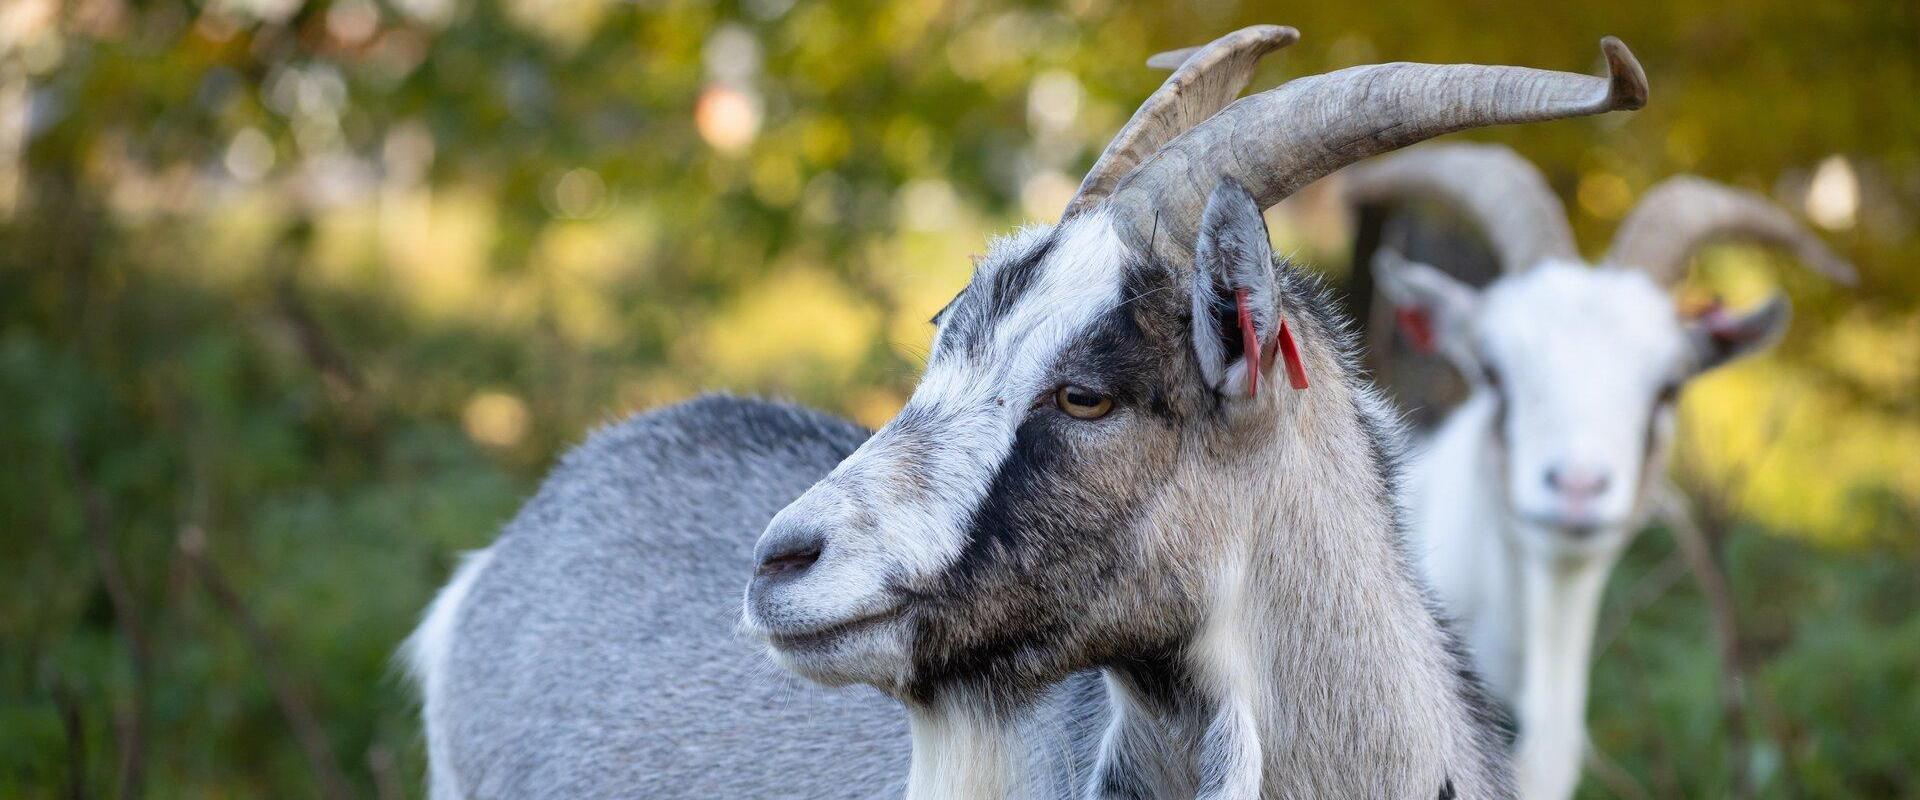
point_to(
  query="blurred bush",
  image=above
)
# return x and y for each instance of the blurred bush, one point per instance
(298, 299)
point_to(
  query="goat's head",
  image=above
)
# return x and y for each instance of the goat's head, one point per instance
(1089, 426)
(1579, 367)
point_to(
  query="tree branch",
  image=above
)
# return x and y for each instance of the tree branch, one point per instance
(1644, 593)
(386, 773)
(332, 783)
(129, 717)
(75, 725)
(1677, 512)
(1613, 776)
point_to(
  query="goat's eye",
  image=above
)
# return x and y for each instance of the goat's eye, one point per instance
(1082, 403)
(1669, 392)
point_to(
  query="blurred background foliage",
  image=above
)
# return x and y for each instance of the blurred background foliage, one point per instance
(299, 299)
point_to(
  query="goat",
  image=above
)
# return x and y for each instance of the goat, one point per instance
(1088, 476)
(1528, 492)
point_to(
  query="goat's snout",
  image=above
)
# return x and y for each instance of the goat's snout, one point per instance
(1578, 482)
(788, 552)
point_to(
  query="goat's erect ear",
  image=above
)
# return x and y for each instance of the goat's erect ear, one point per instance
(1235, 309)
(1433, 310)
(1719, 336)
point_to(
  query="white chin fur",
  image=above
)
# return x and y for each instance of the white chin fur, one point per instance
(875, 654)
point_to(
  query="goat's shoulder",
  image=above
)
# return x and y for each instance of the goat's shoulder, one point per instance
(677, 464)
(716, 428)
(605, 614)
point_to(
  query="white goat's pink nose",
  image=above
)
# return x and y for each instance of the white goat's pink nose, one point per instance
(1578, 481)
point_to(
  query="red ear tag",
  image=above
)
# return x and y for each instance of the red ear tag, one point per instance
(1249, 343)
(1715, 316)
(1290, 353)
(1417, 326)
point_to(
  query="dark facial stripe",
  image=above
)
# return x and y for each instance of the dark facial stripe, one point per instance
(968, 321)
(1057, 515)
(1113, 358)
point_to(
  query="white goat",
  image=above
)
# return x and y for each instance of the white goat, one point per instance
(1088, 476)
(1528, 492)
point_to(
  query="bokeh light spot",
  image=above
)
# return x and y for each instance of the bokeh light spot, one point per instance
(1833, 199)
(727, 118)
(1605, 195)
(579, 193)
(495, 418)
(1044, 195)
(249, 156)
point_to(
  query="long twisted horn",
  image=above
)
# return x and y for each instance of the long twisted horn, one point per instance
(1282, 139)
(1205, 80)
(1686, 212)
(1504, 194)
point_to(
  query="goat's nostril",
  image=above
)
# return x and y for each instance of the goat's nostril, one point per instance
(1577, 481)
(789, 562)
(789, 557)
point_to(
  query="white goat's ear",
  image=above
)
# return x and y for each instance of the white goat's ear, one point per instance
(1433, 310)
(1235, 307)
(1719, 336)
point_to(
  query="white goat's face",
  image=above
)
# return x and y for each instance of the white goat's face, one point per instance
(1010, 524)
(1584, 366)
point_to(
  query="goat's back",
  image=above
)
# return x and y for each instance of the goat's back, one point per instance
(590, 652)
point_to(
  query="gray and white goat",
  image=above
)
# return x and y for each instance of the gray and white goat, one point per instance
(1528, 492)
(1089, 475)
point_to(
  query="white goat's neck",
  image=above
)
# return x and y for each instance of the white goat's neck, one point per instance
(1560, 600)
(1320, 670)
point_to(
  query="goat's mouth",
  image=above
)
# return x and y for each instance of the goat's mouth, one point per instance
(1575, 528)
(817, 638)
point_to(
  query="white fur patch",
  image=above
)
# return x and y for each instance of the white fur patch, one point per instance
(899, 505)
(978, 402)
(426, 654)
(960, 752)
(1233, 763)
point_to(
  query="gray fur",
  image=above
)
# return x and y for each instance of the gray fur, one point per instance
(594, 655)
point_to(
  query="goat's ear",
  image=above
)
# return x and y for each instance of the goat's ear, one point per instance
(1719, 336)
(1433, 310)
(1233, 287)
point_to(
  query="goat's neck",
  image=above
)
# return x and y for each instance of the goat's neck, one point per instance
(979, 741)
(1320, 670)
(962, 749)
(1534, 605)
(1560, 604)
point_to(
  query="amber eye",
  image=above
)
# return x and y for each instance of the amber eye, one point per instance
(1082, 403)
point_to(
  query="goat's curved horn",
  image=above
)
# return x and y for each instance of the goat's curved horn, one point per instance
(1506, 196)
(1205, 80)
(1685, 212)
(1282, 139)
